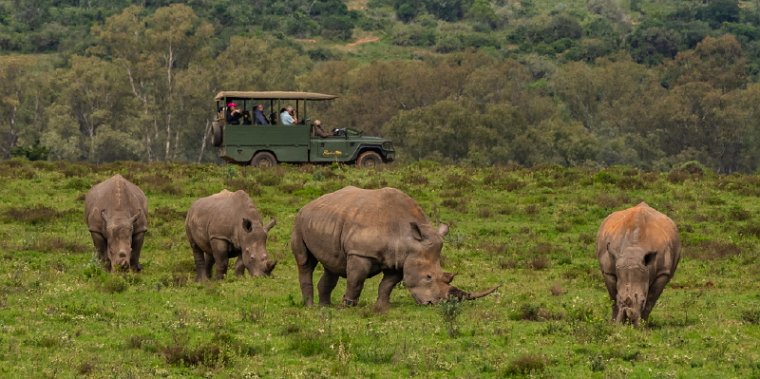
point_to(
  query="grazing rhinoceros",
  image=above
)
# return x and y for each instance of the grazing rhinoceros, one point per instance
(638, 251)
(116, 212)
(227, 225)
(357, 233)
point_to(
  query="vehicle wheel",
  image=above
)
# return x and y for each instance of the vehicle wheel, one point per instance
(216, 134)
(264, 159)
(369, 159)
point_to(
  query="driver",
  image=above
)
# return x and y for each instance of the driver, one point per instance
(318, 131)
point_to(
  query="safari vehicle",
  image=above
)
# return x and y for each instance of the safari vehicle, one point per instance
(267, 145)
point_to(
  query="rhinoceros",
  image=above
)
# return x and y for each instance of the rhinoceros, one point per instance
(116, 212)
(356, 234)
(638, 250)
(227, 225)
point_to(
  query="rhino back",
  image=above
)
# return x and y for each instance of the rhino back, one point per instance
(218, 215)
(115, 194)
(644, 226)
(372, 223)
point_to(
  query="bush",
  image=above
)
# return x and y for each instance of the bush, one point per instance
(527, 364)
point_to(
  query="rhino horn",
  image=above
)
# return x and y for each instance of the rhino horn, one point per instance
(462, 295)
(270, 267)
(270, 225)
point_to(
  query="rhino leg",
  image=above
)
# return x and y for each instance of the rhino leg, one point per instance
(239, 266)
(219, 250)
(610, 281)
(101, 247)
(208, 265)
(134, 258)
(200, 263)
(655, 290)
(326, 285)
(306, 279)
(390, 279)
(306, 262)
(358, 269)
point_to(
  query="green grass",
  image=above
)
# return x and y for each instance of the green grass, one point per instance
(532, 231)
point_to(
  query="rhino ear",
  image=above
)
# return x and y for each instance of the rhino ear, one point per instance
(270, 225)
(448, 277)
(443, 229)
(417, 232)
(134, 218)
(104, 215)
(247, 225)
(649, 257)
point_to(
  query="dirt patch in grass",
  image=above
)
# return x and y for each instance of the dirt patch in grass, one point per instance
(35, 215)
(166, 214)
(56, 244)
(712, 250)
(249, 185)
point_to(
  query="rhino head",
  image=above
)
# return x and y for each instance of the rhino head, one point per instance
(633, 268)
(252, 242)
(119, 231)
(423, 275)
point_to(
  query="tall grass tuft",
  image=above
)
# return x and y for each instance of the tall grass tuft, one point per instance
(450, 311)
(527, 364)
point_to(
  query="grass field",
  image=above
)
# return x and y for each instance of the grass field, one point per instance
(532, 231)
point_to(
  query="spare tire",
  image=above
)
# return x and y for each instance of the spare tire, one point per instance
(216, 133)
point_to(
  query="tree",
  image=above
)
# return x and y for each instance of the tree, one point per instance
(23, 88)
(151, 49)
(91, 94)
(719, 62)
(653, 44)
(717, 12)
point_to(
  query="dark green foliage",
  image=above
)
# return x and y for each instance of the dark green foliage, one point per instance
(719, 11)
(651, 45)
(32, 153)
(448, 10)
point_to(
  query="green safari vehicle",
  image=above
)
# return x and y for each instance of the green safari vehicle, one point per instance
(246, 139)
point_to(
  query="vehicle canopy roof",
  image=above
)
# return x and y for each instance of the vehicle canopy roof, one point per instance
(273, 95)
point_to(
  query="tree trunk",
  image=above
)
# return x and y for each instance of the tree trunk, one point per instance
(206, 131)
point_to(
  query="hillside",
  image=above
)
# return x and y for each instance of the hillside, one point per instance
(645, 83)
(531, 231)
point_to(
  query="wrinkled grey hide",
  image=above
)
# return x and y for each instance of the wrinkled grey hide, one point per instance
(116, 214)
(227, 225)
(356, 234)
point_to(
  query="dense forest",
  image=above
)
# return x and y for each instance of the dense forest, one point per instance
(645, 83)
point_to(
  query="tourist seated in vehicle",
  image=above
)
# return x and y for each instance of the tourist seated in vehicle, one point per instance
(317, 130)
(234, 114)
(258, 115)
(287, 116)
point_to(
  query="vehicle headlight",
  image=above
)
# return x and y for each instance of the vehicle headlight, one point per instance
(388, 145)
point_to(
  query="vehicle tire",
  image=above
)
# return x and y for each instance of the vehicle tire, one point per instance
(216, 134)
(264, 159)
(369, 159)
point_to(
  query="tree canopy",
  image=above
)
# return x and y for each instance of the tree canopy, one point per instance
(646, 83)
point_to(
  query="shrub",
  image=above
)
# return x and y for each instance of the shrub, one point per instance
(527, 364)
(113, 284)
(450, 311)
(751, 316)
